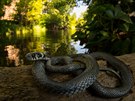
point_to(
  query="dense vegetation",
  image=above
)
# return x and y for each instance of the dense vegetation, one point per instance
(2, 22)
(108, 25)
(52, 14)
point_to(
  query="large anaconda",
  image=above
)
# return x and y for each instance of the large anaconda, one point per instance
(85, 79)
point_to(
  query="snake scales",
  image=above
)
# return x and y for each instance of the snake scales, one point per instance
(87, 79)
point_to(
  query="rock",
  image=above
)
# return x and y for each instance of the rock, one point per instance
(18, 84)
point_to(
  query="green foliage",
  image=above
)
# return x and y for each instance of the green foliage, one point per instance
(108, 26)
(52, 14)
(51, 20)
(21, 12)
(34, 11)
(56, 14)
(64, 6)
(7, 26)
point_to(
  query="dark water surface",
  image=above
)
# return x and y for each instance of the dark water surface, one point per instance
(14, 46)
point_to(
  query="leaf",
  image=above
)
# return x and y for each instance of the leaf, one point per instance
(124, 27)
(110, 14)
(119, 14)
(104, 33)
(126, 18)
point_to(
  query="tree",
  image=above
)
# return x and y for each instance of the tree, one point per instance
(49, 13)
(5, 24)
(56, 13)
(109, 26)
(21, 12)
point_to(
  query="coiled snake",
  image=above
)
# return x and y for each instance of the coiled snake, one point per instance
(86, 79)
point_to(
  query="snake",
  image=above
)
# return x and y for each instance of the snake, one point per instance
(73, 86)
(87, 79)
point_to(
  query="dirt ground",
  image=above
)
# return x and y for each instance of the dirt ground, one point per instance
(18, 84)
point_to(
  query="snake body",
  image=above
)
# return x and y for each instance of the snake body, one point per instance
(68, 65)
(87, 78)
(77, 84)
(126, 78)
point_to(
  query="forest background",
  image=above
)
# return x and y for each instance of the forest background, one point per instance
(107, 26)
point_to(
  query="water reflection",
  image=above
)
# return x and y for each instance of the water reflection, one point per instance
(14, 47)
(12, 55)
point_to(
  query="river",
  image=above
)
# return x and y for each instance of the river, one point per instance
(15, 45)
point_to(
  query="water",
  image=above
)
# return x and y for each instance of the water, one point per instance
(14, 46)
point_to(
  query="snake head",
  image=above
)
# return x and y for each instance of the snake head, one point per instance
(33, 56)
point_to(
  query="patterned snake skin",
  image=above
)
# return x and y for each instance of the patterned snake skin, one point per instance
(84, 80)
(126, 78)
(68, 64)
(77, 84)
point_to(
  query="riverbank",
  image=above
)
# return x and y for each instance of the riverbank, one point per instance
(18, 84)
